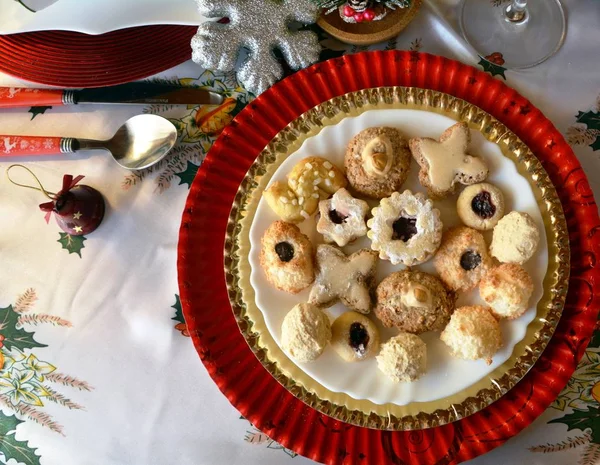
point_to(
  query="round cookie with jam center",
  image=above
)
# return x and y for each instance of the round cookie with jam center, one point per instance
(377, 161)
(354, 337)
(414, 301)
(462, 259)
(405, 228)
(286, 257)
(480, 206)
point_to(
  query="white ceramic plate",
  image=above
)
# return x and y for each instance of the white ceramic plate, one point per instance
(445, 375)
(94, 16)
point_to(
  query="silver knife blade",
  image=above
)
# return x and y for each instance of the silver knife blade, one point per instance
(143, 93)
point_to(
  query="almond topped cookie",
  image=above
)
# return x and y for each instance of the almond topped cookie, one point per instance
(377, 161)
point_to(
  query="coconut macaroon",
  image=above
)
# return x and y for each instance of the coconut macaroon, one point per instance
(403, 358)
(472, 334)
(516, 238)
(507, 289)
(305, 332)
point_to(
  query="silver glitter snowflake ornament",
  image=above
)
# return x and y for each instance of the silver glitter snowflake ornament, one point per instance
(260, 26)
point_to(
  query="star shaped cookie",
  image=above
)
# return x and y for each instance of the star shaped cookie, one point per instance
(342, 218)
(349, 279)
(446, 162)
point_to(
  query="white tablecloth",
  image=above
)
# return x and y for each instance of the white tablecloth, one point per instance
(108, 378)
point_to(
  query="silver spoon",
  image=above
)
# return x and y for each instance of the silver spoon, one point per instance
(139, 143)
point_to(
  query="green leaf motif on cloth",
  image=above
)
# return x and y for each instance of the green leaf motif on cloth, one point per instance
(14, 336)
(178, 313)
(10, 448)
(492, 68)
(73, 244)
(583, 419)
(592, 120)
(187, 176)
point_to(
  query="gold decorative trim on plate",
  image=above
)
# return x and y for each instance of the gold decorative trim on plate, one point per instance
(415, 415)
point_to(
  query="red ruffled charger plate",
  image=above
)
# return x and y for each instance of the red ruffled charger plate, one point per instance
(72, 59)
(239, 374)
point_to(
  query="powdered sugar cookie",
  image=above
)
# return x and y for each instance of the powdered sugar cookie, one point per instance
(342, 218)
(405, 228)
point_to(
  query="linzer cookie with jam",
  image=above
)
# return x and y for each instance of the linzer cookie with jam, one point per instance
(377, 162)
(480, 206)
(286, 257)
(405, 228)
(462, 259)
(445, 163)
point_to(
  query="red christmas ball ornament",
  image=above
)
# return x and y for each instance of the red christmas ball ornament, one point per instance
(359, 17)
(78, 209)
(348, 11)
(369, 14)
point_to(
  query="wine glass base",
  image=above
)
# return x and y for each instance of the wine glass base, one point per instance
(522, 44)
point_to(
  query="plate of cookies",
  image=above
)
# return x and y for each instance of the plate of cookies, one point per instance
(399, 258)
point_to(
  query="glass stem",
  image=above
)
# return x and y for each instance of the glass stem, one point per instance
(516, 12)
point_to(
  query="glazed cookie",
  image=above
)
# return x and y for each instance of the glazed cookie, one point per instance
(403, 358)
(305, 332)
(472, 334)
(377, 161)
(405, 228)
(480, 206)
(311, 180)
(342, 218)
(462, 259)
(414, 302)
(349, 279)
(354, 337)
(507, 289)
(286, 257)
(515, 238)
(446, 162)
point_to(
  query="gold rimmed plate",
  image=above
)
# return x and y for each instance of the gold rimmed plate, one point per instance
(403, 408)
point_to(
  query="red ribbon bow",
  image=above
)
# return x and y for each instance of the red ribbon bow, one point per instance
(68, 183)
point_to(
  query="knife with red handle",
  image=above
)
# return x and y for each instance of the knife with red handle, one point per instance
(143, 93)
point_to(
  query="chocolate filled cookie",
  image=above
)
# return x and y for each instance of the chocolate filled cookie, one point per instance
(377, 161)
(286, 257)
(462, 259)
(414, 301)
(480, 206)
(355, 337)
